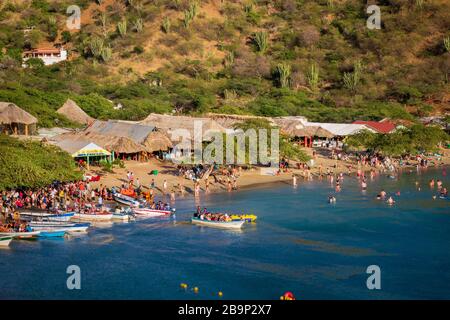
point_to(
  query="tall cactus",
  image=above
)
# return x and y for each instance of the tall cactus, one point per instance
(351, 79)
(283, 72)
(447, 44)
(261, 41)
(166, 24)
(122, 27)
(313, 77)
(190, 14)
(96, 46)
(138, 25)
(104, 22)
(106, 54)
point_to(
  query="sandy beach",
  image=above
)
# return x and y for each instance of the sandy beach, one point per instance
(167, 171)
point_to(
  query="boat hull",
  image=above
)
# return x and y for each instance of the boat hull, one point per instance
(47, 216)
(20, 235)
(219, 224)
(146, 212)
(5, 241)
(126, 200)
(52, 234)
(68, 227)
(92, 217)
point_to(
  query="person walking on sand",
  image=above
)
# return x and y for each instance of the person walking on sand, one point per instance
(207, 185)
(165, 186)
(152, 185)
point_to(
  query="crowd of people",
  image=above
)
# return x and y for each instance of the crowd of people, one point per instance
(209, 216)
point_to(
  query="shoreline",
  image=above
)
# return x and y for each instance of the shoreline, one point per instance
(247, 179)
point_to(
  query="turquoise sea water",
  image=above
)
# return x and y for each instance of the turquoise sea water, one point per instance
(300, 243)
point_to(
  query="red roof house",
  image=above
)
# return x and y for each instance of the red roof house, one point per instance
(380, 127)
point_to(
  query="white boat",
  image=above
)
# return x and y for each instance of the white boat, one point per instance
(4, 241)
(63, 226)
(148, 212)
(92, 216)
(122, 216)
(47, 216)
(20, 235)
(219, 224)
(126, 200)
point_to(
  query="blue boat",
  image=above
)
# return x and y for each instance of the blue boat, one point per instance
(52, 234)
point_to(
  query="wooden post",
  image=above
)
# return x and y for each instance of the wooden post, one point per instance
(26, 129)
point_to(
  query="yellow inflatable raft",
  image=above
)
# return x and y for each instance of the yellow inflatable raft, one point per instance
(246, 217)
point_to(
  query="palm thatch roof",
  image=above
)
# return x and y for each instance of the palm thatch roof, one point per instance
(157, 141)
(74, 113)
(170, 124)
(230, 120)
(116, 128)
(10, 113)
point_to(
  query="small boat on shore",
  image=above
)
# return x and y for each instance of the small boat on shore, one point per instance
(218, 224)
(122, 216)
(103, 216)
(52, 234)
(148, 212)
(5, 241)
(245, 217)
(126, 200)
(20, 235)
(63, 226)
(47, 216)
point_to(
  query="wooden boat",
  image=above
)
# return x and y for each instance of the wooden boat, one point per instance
(148, 212)
(5, 241)
(126, 200)
(100, 216)
(20, 235)
(245, 217)
(52, 234)
(63, 226)
(47, 216)
(219, 224)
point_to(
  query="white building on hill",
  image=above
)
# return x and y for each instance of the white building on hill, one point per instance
(49, 56)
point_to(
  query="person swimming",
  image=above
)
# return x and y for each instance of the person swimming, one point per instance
(390, 201)
(331, 199)
(381, 195)
(364, 185)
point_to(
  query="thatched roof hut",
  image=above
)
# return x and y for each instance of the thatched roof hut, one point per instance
(110, 143)
(157, 141)
(15, 120)
(169, 124)
(230, 120)
(116, 128)
(74, 113)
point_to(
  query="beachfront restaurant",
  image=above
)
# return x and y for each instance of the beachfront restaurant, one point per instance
(83, 151)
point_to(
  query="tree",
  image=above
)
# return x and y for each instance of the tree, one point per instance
(66, 36)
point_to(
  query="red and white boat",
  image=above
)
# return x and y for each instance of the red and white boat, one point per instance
(148, 212)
